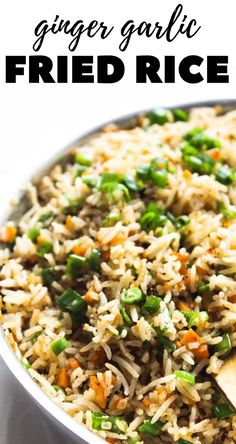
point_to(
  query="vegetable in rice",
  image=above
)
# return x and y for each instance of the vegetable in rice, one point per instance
(118, 285)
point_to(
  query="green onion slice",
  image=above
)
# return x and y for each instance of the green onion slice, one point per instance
(59, 346)
(185, 376)
(71, 301)
(131, 296)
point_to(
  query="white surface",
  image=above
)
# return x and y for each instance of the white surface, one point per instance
(38, 120)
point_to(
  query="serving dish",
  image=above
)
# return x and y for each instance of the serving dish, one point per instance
(64, 421)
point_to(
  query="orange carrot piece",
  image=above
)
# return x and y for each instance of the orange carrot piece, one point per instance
(118, 239)
(99, 391)
(183, 306)
(80, 250)
(69, 223)
(191, 336)
(8, 234)
(187, 175)
(62, 378)
(201, 352)
(73, 363)
(146, 402)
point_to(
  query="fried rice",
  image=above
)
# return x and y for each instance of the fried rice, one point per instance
(118, 289)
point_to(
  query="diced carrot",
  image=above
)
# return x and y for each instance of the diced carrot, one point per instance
(80, 250)
(91, 297)
(191, 336)
(201, 352)
(69, 223)
(183, 257)
(73, 363)
(166, 286)
(187, 175)
(111, 440)
(146, 402)
(211, 251)
(118, 239)
(214, 154)
(62, 378)
(182, 306)
(99, 391)
(187, 279)
(8, 234)
(179, 285)
(226, 223)
(41, 239)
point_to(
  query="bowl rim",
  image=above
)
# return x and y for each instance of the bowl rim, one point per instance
(7, 354)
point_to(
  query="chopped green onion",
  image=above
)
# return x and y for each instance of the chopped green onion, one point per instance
(163, 340)
(84, 159)
(33, 233)
(201, 140)
(101, 421)
(110, 220)
(125, 316)
(223, 411)
(194, 317)
(158, 115)
(151, 429)
(44, 248)
(49, 275)
(25, 362)
(131, 296)
(73, 206)
(225, 175)
(142, 172)
(229, 212)
(107, 178)
(187, 377)
(184, 441)
(56, 388)
(180, 115)
(46, 216)
(110, 184)
(94, 260)
(151, 305)
(167, 342)
(158, 177)
(80, 170)
(130, 182)
(71, 301)
(182, 221)
(200, 163)
(75, 265)
(203, 288)
(35, 337)
(59, 346)
(225, 345)
(91, 181)
(190, 134)
(152, 217)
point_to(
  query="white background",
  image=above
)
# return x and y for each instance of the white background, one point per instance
(37, 120)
